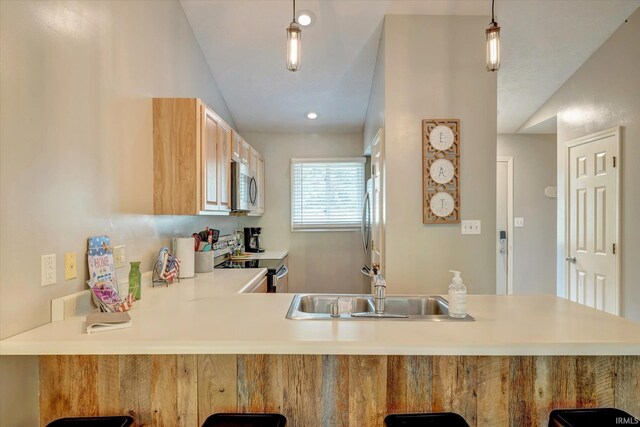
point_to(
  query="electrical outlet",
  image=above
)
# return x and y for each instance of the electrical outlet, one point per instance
(471, 226)
(119, 256)
(70, 267)
(48, 269)
(518, 222)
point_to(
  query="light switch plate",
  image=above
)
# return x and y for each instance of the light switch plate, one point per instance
(70, 267)
(48, 269)
(471, 226)
(518, 222)
(119, 256)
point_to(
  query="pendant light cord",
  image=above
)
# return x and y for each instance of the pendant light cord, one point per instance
(493, 2)
(294, 11)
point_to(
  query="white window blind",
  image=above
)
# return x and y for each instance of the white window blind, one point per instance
(326, 193)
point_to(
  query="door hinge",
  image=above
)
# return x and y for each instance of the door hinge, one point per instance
(614, 161)
(614, 248)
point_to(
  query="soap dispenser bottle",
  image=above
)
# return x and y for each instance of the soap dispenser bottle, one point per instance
(457, 297)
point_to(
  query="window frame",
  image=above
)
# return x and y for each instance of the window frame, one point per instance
(323, 227)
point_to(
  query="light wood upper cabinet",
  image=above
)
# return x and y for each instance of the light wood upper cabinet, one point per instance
(246, 152)
(236, 154)
(209, 153)
(224, 166)
(191, 158)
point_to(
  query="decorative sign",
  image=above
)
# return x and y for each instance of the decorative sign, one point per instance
(441, 171)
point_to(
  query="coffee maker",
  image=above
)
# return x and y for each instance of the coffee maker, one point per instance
(252, 239)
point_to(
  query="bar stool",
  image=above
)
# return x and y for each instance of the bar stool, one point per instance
(592, 417)
(245, 420)
(437, 419)
(117, 421)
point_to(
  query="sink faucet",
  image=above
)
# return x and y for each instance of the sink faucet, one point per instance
(379, 289)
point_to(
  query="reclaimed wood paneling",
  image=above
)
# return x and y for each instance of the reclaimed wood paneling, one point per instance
(76, 377)
(605, 367)
(335, 387)
(586, 382)
(542, 401)
(627, 384)
(163, 394)
(563, 381)
(135, 387)
(217, 384)
(302, 389)
(341, 391)
(367, 390)
(522, 389)
(187, 388)
(109, 385)
(408, 384)
(260, 383)
(454, 385)
(493, 391)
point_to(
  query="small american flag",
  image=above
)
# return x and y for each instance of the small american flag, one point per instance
(172, 269)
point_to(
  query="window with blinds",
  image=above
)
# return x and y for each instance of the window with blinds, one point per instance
(326, 194)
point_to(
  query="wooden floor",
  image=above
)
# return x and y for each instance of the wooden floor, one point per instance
(310, 390)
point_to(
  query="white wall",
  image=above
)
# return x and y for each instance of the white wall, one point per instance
(435, 68)
(76, 156)
(603, 93)
(534, 245)
(318, 261)
(374, 119)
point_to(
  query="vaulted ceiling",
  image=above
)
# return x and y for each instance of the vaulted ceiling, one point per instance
(543, 43)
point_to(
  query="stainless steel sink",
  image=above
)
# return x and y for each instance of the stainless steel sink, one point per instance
(361, 307)
(417, 305)
(321, 304)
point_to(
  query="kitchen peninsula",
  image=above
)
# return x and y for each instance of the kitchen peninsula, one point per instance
(192, 352)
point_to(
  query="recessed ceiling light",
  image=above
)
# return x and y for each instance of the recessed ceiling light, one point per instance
(311, 115)
(306, 18)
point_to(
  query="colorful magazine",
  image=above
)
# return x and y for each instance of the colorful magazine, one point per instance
(102, 273)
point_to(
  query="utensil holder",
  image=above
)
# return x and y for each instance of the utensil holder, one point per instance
(204, 262)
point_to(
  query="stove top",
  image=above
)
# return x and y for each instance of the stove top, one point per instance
(273, 265)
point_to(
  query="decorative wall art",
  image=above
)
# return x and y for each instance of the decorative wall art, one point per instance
(441, 171)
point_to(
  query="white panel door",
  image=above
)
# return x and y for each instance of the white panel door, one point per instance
(377, 200)
(592, 221)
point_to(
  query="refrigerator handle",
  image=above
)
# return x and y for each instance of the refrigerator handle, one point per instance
(365, 226)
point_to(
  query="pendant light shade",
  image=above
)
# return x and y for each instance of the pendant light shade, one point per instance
(493, 43)
(294, 48)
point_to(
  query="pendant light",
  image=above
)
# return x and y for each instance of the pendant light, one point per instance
(493, 43)
(293, 43)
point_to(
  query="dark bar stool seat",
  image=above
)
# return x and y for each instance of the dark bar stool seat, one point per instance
(245, 420)
(592, 417)
(117, 421)
(438, 419)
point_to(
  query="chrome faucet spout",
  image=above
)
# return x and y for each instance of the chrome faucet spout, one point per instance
(379, 293)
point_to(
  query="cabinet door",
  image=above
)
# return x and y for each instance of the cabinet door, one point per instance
(236, 154)
(261, 287)
(224, 166)
(209, 156)
(261, 183)
(246, 152)
(253, 162)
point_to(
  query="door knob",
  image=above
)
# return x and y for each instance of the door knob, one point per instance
(571, 259)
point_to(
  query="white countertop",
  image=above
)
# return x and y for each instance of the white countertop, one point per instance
(268, 255)
(196, 317)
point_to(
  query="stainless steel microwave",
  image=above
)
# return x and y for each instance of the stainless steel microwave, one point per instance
(244, 188)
